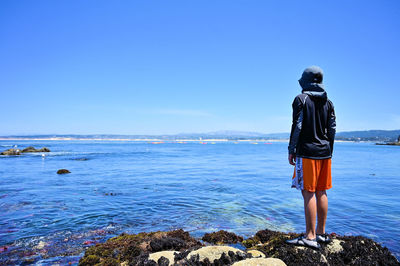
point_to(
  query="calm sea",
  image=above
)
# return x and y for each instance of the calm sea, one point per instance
(117, 187)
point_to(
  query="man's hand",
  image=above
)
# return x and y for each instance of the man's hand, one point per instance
(292, 159)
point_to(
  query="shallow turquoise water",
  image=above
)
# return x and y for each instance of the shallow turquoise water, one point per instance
(140, 186)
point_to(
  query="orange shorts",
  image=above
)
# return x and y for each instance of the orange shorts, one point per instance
(312, 175)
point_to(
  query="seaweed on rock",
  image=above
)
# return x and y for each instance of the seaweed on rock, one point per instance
(341, 251)
(140, 249)
(129, 248)
(222, 237)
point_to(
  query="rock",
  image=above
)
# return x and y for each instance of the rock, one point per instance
(167, 243)
(341, 251)
(32, 149)
(170, 255)
(26, 150)
(11, 152)
(163, 261)
(63, 171)
(110, 194)
(222, 237)
(389, 143)
(29, 149)
(256, 253)
(260, 262)
(214, 252)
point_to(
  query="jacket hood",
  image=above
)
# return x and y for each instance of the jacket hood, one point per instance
(311, 82)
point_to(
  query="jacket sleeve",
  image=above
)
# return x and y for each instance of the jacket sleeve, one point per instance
(297, 121)
(331, 132)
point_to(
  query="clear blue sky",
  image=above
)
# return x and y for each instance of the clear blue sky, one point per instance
(164, 67)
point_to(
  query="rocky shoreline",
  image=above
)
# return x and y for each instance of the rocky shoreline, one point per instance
(389, 143)
(266, 247)
(396, 143)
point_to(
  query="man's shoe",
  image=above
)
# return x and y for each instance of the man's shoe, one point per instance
(324, 238)
(303, 241)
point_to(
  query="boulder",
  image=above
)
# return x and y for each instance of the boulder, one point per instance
(170, 255)
(214, 252)
(260, 262)
(11, 152)
(63, 171)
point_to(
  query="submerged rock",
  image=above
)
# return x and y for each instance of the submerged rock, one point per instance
(33, 149)
(222, 237)
(63, 171)
(110, 194)
(40, 245)
(11, 152)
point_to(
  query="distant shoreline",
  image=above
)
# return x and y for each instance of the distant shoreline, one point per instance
(152, 139)
(159, 141)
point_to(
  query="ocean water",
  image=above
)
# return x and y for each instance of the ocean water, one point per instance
(117, 186)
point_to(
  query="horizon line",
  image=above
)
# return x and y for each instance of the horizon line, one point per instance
(221, 132)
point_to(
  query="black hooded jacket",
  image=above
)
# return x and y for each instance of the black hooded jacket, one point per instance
(314, 122)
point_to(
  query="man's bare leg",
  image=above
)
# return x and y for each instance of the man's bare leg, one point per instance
(322, 210)
(310, 211)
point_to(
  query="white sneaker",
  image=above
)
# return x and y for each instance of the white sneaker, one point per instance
(303, 241)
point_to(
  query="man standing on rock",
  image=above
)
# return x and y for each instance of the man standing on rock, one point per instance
(310, 151)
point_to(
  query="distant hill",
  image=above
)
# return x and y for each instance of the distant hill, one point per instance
(369, 135)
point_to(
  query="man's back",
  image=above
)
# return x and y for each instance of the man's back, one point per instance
(314, 141)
